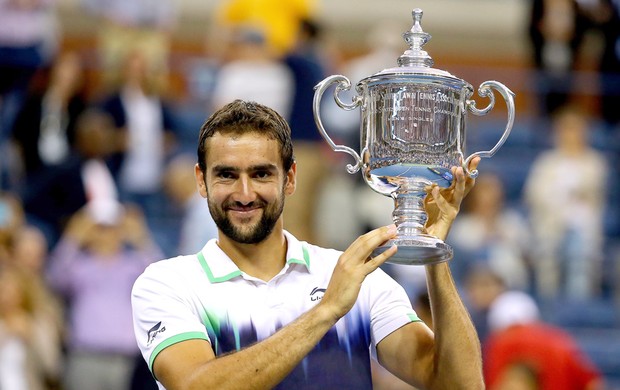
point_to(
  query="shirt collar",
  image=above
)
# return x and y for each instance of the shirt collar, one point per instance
(220, 268)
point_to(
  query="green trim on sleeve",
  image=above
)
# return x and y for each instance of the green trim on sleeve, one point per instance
(173, 340)
(414, 317)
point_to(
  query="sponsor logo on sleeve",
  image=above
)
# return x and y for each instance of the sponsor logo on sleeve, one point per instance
(153, 332)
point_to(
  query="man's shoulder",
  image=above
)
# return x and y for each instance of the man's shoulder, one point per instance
(171, 268)
(322, 251)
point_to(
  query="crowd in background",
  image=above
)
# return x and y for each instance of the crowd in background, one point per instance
(97, 182)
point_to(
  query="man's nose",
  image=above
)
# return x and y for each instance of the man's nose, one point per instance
(244, 190)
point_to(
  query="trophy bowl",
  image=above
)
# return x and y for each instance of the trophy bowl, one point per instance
(413, 129)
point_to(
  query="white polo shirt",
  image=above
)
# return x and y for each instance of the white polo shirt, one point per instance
(206, 296)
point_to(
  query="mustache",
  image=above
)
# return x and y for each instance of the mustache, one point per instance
(236, 205)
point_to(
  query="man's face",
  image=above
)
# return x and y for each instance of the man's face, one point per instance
(245, 185)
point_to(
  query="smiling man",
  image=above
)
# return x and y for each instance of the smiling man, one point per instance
(258, 309)
(245, 215)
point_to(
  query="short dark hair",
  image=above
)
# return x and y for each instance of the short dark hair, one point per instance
(242, 117)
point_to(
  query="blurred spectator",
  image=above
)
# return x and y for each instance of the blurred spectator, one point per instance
(307, 69)
(557, 30)
(278, 20)
(555, 39)
(44, 129)
(565, 192)
(197, 225)
(129, 26)
(29, 255)
(308, 66)
(28, 42)
(519, 338)
(55, 195)
(144, 120)
(252, 72)
(30, 345)
(489, 232)
(102, 251)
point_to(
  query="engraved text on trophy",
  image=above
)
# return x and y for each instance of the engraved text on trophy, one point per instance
(415, 133)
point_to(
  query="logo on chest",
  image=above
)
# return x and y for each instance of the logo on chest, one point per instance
(317, 294)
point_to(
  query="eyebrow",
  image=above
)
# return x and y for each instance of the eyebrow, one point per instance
(253, 168)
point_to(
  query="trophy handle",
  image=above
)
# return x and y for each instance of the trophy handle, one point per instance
(485, 90)
(343, 85)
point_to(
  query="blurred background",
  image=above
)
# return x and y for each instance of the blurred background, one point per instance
(101, 102)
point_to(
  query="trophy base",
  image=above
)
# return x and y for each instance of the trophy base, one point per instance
(419, 250)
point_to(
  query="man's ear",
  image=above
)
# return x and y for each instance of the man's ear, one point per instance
(200, 181)
(291, 177)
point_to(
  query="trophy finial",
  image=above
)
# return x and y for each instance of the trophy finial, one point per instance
(417, 20)
(416, 38)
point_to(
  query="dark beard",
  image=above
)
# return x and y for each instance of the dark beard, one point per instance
(260, 232)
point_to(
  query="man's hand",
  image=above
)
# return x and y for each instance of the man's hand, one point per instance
(353, 267)
(442, 205)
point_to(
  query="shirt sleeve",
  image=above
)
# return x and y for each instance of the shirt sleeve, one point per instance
(390, 307)
(163, 311)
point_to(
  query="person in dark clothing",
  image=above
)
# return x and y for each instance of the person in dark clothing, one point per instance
(55, 194)
(44, 129)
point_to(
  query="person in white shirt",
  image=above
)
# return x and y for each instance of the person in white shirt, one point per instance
(565, 192)
(257, 308)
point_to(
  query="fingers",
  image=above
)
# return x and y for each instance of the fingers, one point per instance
(448, 200)
(459, 186)
(376, 261)
(447, 208)
(439, 200)
(473, 164)
(352, 268)
(373, 239)
(463, 183)
(363, 247)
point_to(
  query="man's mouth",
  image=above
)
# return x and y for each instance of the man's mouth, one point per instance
(244, 211)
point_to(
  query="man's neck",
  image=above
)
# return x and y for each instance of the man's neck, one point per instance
(263, 260)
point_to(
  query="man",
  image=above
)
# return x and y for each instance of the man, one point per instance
(258, 309)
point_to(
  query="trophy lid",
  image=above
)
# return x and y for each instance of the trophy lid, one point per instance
(415, 60)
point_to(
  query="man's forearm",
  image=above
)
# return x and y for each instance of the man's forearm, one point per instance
(265, 364)
(458, 359)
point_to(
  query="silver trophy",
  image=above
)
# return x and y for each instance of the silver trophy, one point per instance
(413, 126)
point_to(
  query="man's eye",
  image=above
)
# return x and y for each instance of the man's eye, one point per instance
(225, 175)
(263, 174)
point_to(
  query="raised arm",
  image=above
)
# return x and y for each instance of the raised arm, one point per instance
(193, 365)
(451, 357)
